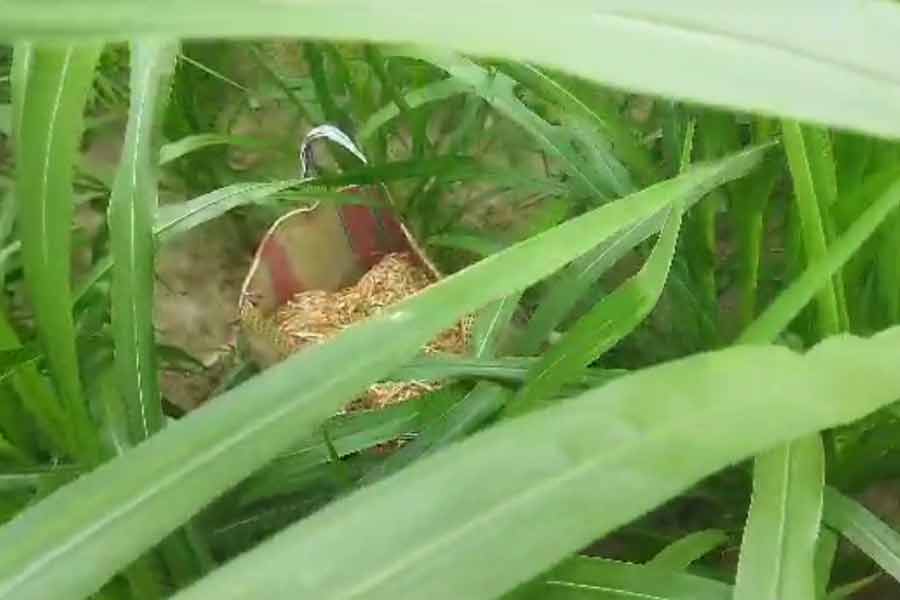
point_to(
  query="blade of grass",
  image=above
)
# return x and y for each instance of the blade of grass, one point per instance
(498, 89)
(348, 435)
(508, 370)
(159, 484)
(826, 553)
(864, 530)
(614, 317)
(779, 546)
(56, 86)
(38, 398)
(576, 279)
(613, 143)
(599, 578)
(849, 590)
(681, 554)
(435, 530)
(567, 288)
(599, 115)
(471, 410)
(804, 168)
(657, 46)
(750, 225)
(490, 324)
(432, 92)
(132, 206)
(778, 315)
(778, 551)
(174, 150)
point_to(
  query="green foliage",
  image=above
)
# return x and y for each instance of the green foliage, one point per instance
(662, 292)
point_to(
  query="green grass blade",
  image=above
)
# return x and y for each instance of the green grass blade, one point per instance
(174, 150)
(132, 207)
(499, 90)
(826, 553)
(38, 398)
(789, 303)
(576, 279)
(864, 530)
(835, 56)
(458, 419)
(805, 171)
(599, 114)
(779, 546)
(503, 370)
(174, 219)
(583, 577)
(570, 285)
(490, 324)
(436, 530)
(614, 317)
(38, 478)
(56, 87)
(23, 54)
(159, 484)
(433, 92)
(6, 119)
(849, 590)
(681, 554)
(347, 434)
(749, 223)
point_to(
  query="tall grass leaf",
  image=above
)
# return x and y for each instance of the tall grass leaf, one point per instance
(150, 490)
(16, 424)
(56, 87)
(504, 370)
(6, 119)
(38, 397)
(640, 45)
(347, 435)
(476, 243)
(10, 453)
(499, 90)
(583, 577)
(849, 590)
(826, 553)
(490, 324)
(37, 478)
(132, 207)
(864, 530)
(174, 150)
(610, 320)
(806, 173)
(778, 551)
(472, 409)
(603, 117)
(436, 530)
(433, 92)
(778, 315)
(779, 546)
(570, 284)
(458, 418)
(575, 280)
(604, 132)
(681, 554)
(174, 219)
(23, 54)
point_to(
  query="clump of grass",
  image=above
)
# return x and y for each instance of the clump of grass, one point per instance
(681, 379)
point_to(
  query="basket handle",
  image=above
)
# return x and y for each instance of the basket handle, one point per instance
(331, 134)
